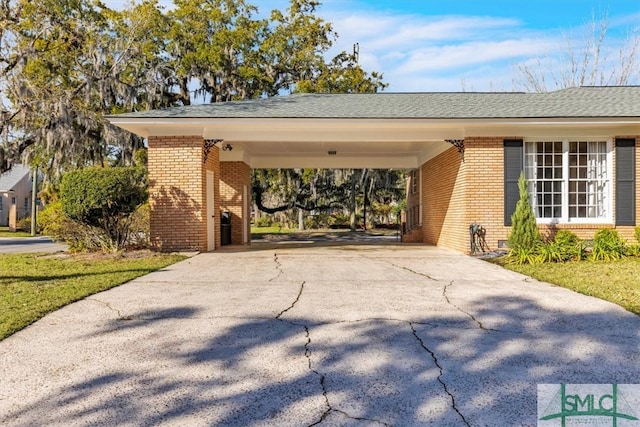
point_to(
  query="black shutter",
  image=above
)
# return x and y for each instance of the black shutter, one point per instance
(625, 181)
(513, 165)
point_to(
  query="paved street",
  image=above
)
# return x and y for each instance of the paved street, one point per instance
(29, 244)
(308, 334)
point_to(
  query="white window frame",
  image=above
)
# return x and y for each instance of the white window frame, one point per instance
(564, 218)
(414, 181)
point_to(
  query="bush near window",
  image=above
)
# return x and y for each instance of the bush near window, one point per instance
(104, 199)
(608, 245)
(524, 238)
(565, 246)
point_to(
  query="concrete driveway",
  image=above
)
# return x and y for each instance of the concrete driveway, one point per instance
(315, 335)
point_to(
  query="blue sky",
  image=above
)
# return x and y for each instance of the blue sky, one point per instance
(453, 45)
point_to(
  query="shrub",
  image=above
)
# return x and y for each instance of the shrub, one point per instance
(608, 245)
(637, 233)
(139, 227)
(57, 225)
(524, 239)
(24, 224)
(264, 221)
(565, 246)
(633, 250)
(104, 199)
(524, 255)
(524, 230)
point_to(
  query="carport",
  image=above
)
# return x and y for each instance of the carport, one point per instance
(465, 152)
(200, 157)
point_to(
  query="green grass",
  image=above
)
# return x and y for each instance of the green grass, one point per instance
(4, 232)
(271, 230)
(32, 285)
(614, 281)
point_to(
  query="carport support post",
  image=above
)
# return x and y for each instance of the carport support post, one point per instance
(178, 168)
(235, 197)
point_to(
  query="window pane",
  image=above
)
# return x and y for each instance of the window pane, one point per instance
(582, 147)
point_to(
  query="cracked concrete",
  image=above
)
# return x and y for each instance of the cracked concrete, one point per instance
(339, 336)
(440, 380)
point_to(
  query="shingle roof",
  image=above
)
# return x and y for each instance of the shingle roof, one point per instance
(9, 179)
(602, 101)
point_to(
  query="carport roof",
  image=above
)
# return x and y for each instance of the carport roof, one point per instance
(387, 130)
(601, 101)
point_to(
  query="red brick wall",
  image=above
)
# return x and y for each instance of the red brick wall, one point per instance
(177, 192)
(233, 177)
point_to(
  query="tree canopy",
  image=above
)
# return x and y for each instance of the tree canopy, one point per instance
(594, 58)
(64, 64)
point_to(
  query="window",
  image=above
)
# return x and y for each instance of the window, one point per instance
(569, 181)
(26, 204)
(0, 204)
(414, 181)
(13, 200)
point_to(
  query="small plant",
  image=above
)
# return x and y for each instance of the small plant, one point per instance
(637, 233)
(608, 245)
(521, 256)
(569, 245)
(633, 250)
(525, 238)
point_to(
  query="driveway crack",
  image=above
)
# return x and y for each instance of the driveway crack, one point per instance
(440, 380)
(330, 409)
(479, 323)
(278, 267)
(109, 306)
(294, 302)
(411, 271)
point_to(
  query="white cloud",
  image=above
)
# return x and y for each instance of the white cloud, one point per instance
(435, 53)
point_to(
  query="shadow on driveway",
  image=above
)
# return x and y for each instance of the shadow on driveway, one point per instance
(471, 358)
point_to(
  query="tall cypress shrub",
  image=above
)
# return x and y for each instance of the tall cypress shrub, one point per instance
(524, 231)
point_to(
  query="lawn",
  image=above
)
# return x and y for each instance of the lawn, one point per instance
(4, 232)
(615, 281)
(32, 285)
(270, 230)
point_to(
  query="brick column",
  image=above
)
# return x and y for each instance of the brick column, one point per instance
(177, 192)
(444, 200)
(235, 184)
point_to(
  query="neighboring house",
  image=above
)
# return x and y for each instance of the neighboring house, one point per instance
(15, 195)
(465, 151)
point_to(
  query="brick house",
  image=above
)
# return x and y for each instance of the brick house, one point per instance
(464, 151)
